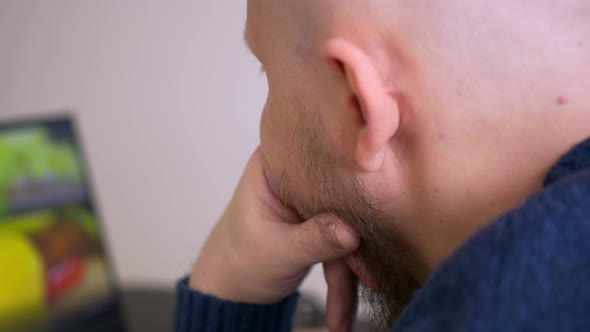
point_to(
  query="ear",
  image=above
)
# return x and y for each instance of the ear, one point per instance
(378, 107)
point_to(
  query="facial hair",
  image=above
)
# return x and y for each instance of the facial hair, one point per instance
(335, 190)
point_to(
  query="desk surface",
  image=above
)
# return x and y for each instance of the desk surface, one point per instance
(150, 310)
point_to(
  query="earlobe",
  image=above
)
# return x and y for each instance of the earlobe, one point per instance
(377, 105)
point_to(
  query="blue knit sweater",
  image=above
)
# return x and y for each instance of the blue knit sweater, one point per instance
(527, 271)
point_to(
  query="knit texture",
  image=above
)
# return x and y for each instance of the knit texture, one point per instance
(527, 271)
(196, 312)
(576, 160)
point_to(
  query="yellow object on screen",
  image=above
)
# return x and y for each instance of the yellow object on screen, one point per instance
(22, 283)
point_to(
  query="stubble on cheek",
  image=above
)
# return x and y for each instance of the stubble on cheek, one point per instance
(333, 189)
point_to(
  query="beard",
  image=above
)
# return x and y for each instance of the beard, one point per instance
(334, 189)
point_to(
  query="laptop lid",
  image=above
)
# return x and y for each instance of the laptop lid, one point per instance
(55, 273)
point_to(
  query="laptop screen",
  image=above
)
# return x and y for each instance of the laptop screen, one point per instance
(53, 265)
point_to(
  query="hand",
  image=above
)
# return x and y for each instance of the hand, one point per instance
(259, 252)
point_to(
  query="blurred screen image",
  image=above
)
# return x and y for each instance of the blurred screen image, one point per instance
(53, 266)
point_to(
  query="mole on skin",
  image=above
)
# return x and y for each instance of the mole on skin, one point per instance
(561, 100)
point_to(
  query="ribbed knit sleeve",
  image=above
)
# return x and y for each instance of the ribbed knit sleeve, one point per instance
(197, 312)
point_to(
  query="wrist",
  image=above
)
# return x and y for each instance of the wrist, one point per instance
(213, 275)
(226, 279)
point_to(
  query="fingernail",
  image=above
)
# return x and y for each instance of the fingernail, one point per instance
(347, 239)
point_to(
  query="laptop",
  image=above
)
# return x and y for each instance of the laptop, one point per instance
(55, 271)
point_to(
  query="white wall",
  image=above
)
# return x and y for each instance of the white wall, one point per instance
(168, 100)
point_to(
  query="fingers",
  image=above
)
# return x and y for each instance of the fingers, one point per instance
(342, 296)
(320, 239)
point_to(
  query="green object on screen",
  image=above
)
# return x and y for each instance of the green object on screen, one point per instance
(30, 156)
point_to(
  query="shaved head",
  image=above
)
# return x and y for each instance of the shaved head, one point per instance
(417, 122)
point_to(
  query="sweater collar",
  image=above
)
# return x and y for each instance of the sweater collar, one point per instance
(576, 160)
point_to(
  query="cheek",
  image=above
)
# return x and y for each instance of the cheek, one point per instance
(282, 154)
(275, 140)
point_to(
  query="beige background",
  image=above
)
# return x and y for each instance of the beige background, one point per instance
(168, 101)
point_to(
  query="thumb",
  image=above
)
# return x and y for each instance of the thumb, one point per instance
(320, 239)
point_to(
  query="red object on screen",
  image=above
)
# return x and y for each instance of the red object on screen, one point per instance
(64, 276)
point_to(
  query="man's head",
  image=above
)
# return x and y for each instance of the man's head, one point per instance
(417, 122)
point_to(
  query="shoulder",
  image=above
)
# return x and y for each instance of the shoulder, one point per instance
(528, 270)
